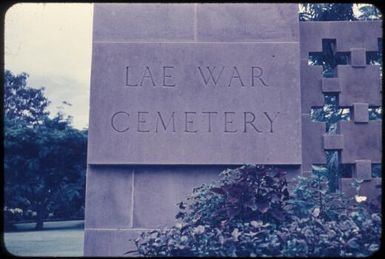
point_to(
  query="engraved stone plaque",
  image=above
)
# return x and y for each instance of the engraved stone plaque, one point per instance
(195, 103)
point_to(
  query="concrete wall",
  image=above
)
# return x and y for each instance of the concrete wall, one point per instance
(123, 200)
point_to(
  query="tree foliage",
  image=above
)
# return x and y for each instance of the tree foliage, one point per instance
(44, 158)
(327, 12)
(22, 103)
(369, 12)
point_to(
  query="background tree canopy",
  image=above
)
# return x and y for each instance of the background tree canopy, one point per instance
(44, 158)
(327, 12)
(338, 12)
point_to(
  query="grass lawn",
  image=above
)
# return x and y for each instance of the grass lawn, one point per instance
(61, 238)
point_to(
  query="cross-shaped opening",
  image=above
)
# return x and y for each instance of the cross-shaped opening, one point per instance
(376, 170)
(330, 169)
(329, 58)
(375, 57)
(331, 113)
(346, 170)
(375, 113)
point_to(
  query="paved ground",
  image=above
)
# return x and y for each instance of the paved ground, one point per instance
(62, 238)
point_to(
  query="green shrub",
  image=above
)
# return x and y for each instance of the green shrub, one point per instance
(249, 212)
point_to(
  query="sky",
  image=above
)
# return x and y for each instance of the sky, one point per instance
(53, 43)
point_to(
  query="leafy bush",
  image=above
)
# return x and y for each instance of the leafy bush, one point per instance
(329, 224)
(249, 212)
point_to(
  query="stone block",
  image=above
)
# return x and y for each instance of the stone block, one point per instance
(119, 22)
(312, 143)
(310, 41)
(151, 104)
(110, 242)
(360, 34)
(243, 22)
(108, 197)
(358, 57)
(333, 142)
(363, 169)
(311, 87)
(361, 141)
(330, 85)
(359, 85)
(158, 190)
(361, 112)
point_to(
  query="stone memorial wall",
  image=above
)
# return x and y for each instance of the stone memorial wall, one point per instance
(357, 85)
(180, 92)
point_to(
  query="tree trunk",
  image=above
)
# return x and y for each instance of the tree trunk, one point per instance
(39, 224)
(39, 218)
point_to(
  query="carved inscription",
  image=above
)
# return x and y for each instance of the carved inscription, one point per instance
(195, 103)
(187, 122)
(146, 77)
(209, 76)
(230, 76)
